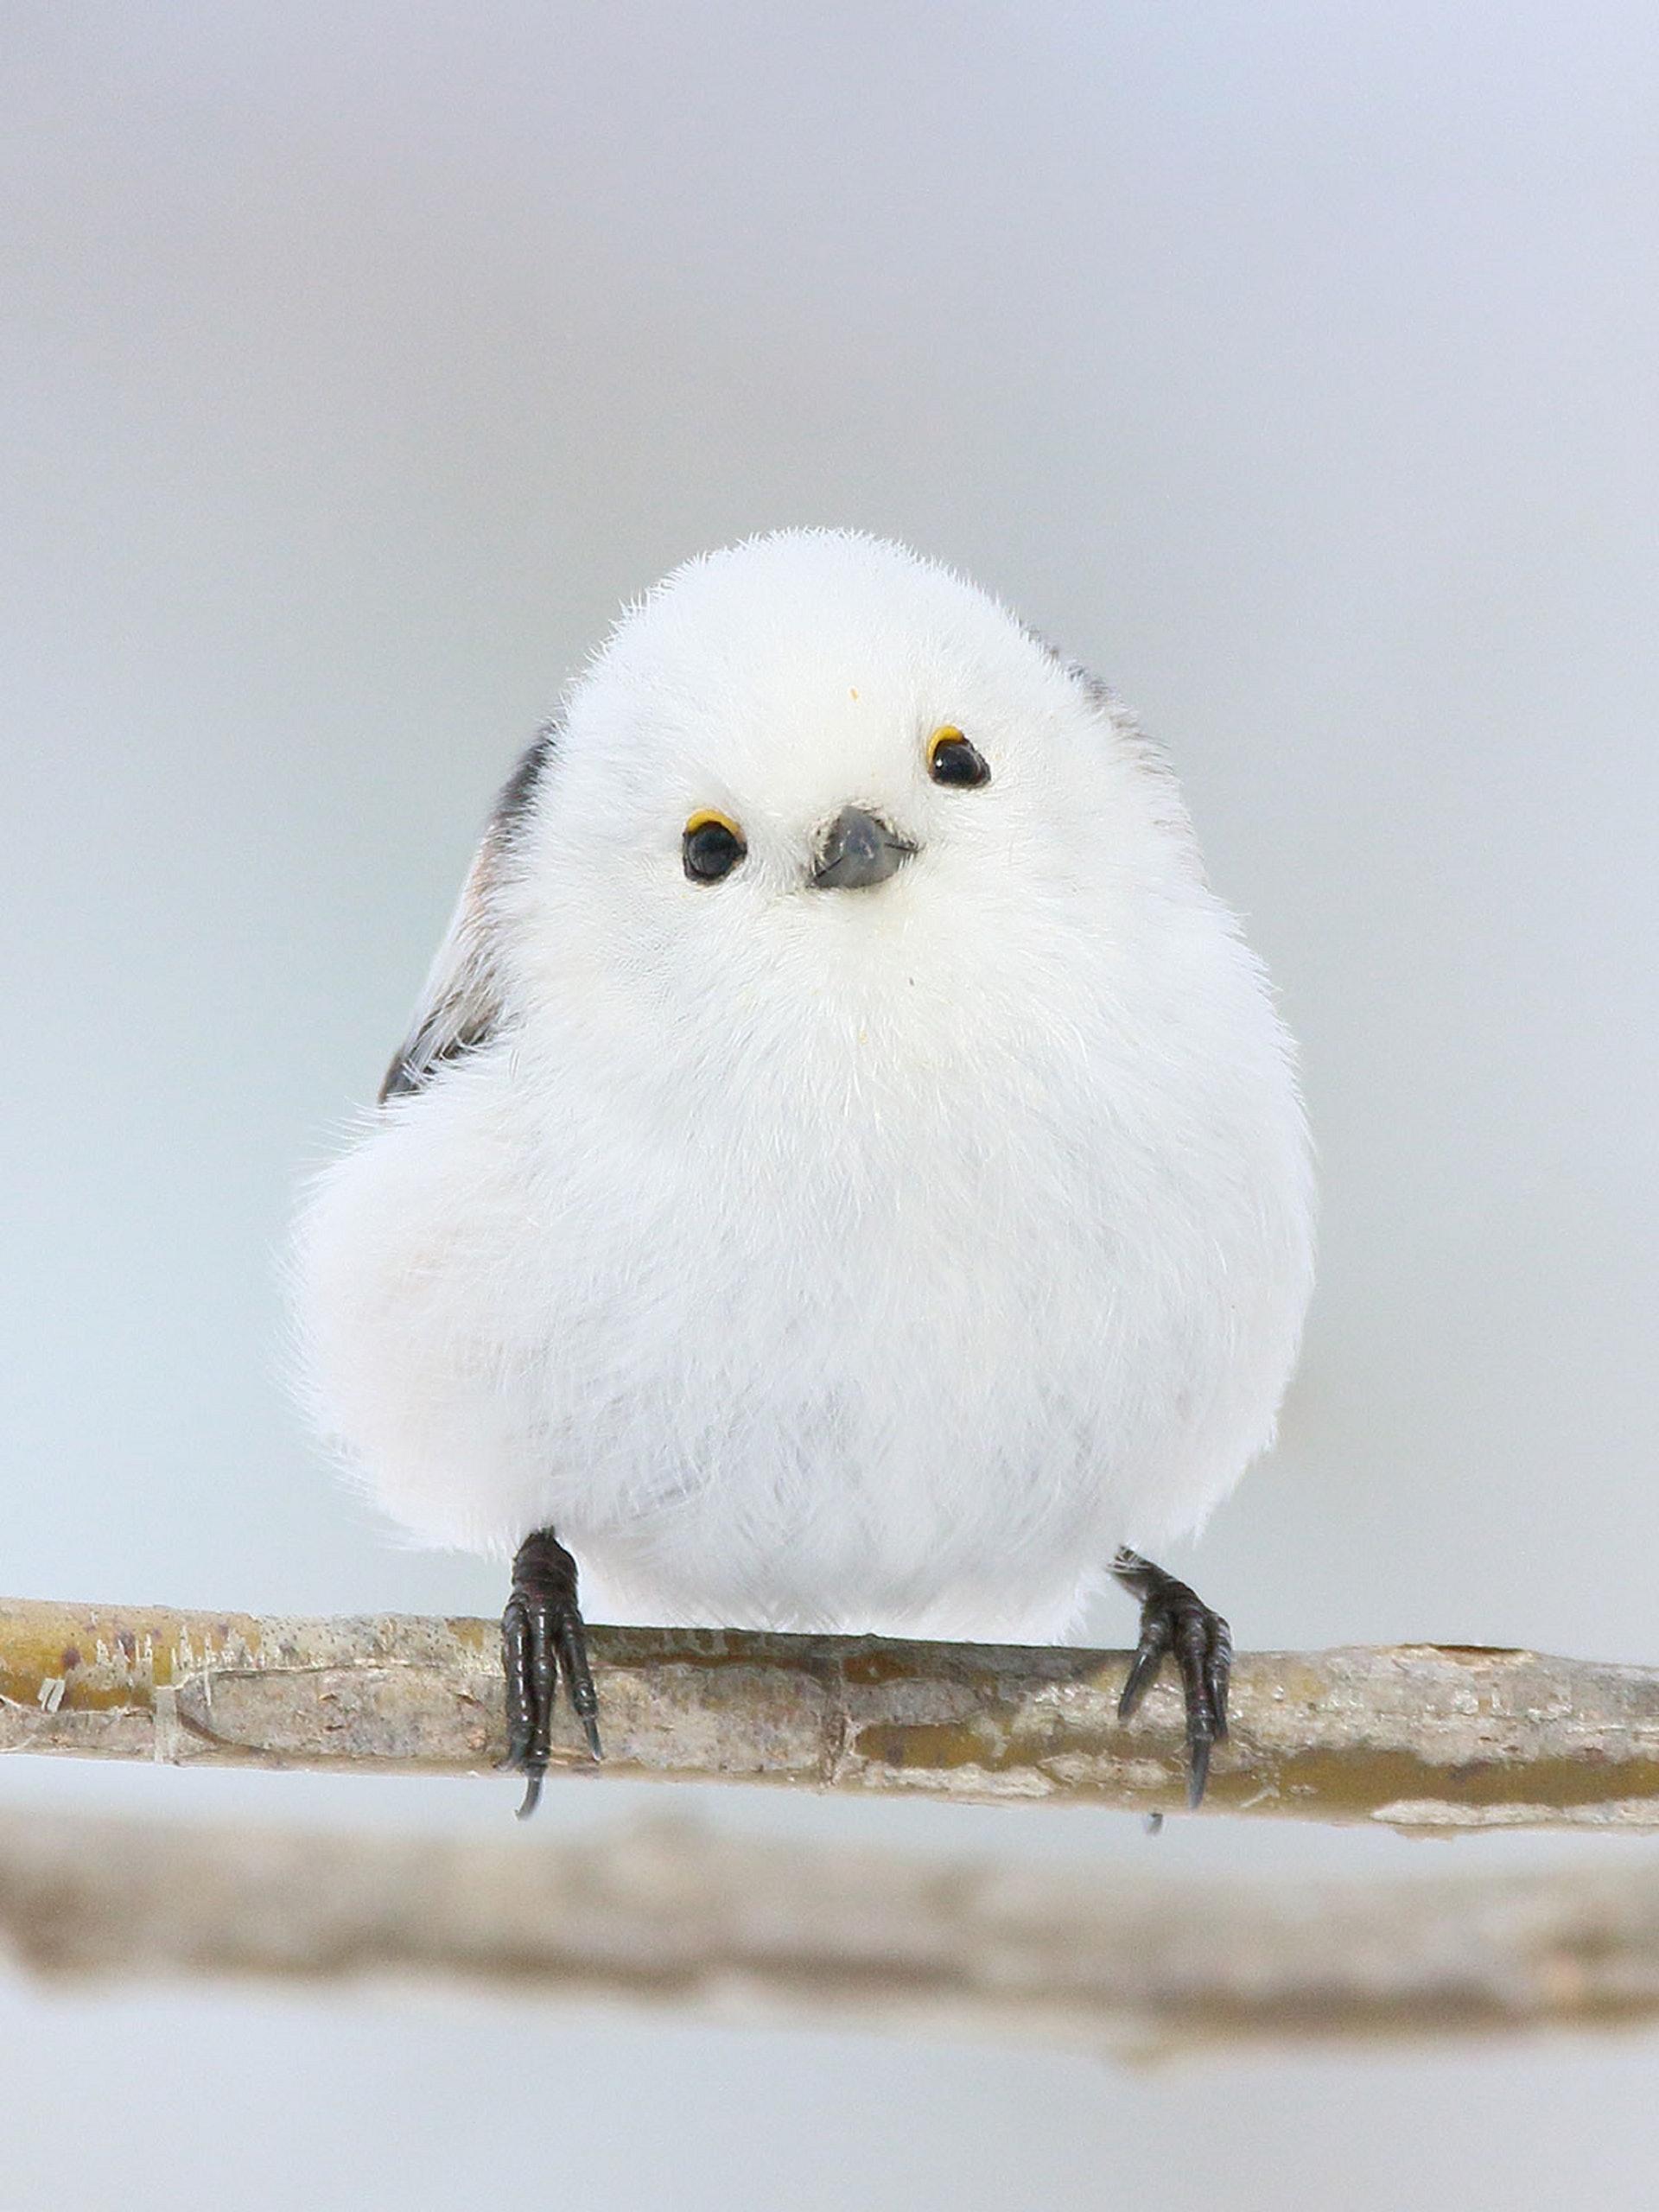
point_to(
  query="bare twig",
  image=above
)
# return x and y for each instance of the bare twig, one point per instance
(1424, 1736)
(670, 1914)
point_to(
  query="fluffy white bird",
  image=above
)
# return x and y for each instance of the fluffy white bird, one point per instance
(846, 1172)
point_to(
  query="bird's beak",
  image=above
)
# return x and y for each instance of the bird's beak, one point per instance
(858, 850)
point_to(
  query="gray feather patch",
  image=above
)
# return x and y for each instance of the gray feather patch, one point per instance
(461, 1006)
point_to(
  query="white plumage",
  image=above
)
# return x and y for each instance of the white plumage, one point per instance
(865, 1258)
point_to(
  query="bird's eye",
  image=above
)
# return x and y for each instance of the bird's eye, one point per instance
(951, 758)
(711, 847)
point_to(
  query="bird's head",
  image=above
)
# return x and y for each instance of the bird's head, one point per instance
(817, 765)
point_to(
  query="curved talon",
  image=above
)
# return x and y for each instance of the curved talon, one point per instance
(1143, 1667)
(1198, 1771)
(543, 1638)
(1174, 1617)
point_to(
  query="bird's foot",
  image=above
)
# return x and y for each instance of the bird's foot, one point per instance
(1174, 1617)
(543, 1638)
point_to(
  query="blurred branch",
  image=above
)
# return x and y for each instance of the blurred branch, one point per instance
(672, 1915)
(1420, 1736)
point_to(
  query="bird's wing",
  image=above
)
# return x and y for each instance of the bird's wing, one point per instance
(461, 1004)
(1149, 756)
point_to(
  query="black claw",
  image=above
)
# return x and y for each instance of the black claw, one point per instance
(1198, 1771)
(1143, 1667)
(543, 1638)
(1218, 1672)
(1174, 1617)
(515, 1659)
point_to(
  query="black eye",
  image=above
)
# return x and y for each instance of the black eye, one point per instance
(712, 846)
(952, 759)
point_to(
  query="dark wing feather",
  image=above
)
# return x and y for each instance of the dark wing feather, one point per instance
(462, 1005)
(1149, 756)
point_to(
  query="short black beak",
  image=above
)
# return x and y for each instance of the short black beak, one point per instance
(858, 850)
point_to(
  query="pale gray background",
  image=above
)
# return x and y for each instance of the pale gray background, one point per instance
(1296, 366)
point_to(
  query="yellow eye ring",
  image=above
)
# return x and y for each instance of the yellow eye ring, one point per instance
(955, 759)
(711, 845)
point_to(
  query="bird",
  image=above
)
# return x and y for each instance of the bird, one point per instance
(846, 1171)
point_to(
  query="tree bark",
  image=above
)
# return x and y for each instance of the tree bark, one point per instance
(1420, 1736)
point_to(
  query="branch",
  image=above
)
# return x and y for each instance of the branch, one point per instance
(670, 1914)
(1420, 1736)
